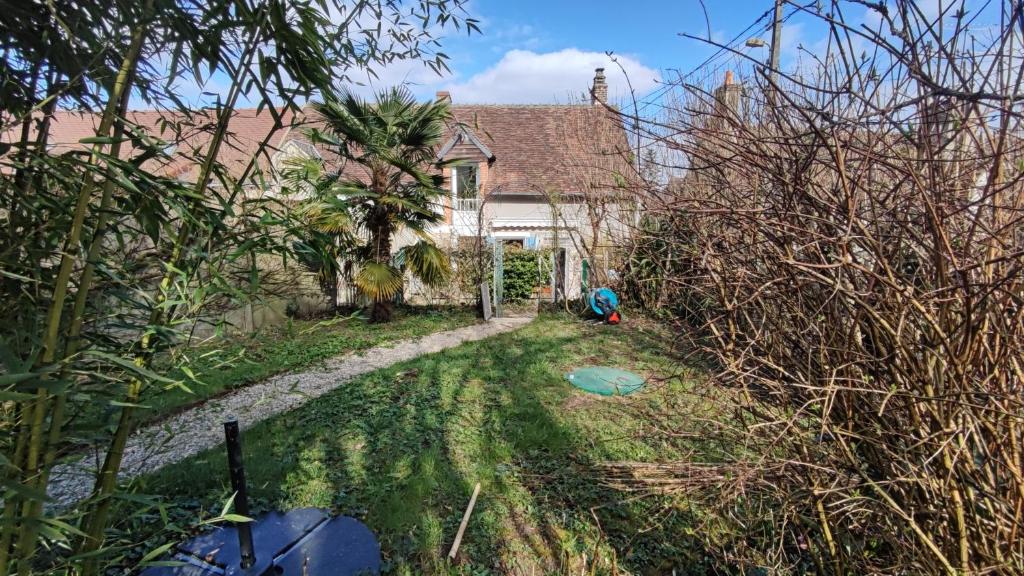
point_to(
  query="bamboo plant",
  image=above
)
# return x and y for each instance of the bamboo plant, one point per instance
(102, 245)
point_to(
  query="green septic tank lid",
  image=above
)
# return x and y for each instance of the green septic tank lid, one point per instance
(605, 381)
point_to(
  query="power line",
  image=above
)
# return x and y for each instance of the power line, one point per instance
(724, 49)
(729, 45)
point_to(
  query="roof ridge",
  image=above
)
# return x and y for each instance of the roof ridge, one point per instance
(170, 110)
(305, 108)
(499, 105)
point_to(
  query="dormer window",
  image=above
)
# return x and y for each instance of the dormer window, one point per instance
(466, 186)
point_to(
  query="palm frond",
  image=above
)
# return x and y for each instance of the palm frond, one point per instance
(346, 116)
(304, 176)
(326, 217)
(410, 207)
(427, 262)
(352, 189)
(378, 281)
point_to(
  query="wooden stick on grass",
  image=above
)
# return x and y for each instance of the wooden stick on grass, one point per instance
(465, 522)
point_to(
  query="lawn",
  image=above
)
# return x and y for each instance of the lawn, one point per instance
(402, 447)
(234, 361)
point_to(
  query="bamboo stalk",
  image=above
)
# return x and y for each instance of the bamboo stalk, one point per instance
(106, 480)
(22, 179)
(465, 522)
(12, 504)
(33, 473)
(78, 310)
(19, 422)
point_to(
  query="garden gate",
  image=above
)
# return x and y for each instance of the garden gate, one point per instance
(521, 282)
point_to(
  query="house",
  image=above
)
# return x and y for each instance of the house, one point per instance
(535, 176)
(538, 176)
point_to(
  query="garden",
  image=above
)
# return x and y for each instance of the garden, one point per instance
(818, 269)
(401, 449)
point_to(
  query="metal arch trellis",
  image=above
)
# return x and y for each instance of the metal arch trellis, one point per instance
(555, 262)
(499, 275)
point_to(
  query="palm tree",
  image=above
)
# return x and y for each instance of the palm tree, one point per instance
(389, 146)
(321, 224)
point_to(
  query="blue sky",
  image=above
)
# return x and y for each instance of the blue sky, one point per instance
(644, 30)
(534, 51)
(545, 51)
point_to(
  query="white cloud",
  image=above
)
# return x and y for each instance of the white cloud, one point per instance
(526, 77)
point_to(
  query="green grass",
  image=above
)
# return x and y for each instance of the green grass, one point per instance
(402, 447)
(231, 362)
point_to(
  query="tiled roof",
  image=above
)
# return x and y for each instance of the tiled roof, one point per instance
(568, 148)
(188, 138)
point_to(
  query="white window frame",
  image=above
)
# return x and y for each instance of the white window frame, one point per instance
(465, 204)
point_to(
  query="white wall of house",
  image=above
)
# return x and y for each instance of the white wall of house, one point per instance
(505, 216)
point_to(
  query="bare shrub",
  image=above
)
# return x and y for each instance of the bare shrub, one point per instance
(854, 237)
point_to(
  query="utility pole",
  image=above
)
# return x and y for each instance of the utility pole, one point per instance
(773, 62)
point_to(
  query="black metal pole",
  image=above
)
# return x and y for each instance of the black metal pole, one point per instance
(236, 469)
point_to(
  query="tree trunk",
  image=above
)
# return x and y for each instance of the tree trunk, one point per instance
(380, 239)
(380, 312)
(334, 292)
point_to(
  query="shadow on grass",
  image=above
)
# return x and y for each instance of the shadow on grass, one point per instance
(402, 448)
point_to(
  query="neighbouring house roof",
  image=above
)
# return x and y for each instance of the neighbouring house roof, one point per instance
(530, 149)
(187, 137)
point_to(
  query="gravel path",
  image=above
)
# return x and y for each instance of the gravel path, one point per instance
(200, 428)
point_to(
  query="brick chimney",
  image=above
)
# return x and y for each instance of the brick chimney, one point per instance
(443, 96)
(599, 91)
(728, 96)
